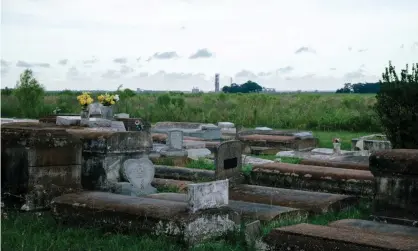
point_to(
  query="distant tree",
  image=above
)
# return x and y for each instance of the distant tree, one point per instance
(247, 87)
(360, 88)
(29, 93)
(6, 91)
(397, 106)
(348, 88)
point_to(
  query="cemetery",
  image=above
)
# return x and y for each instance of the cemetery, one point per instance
(197, 182)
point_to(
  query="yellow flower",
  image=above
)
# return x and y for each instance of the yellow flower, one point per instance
(112, 102)
(83, 102)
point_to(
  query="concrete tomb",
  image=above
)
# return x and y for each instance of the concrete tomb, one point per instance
(199, 130)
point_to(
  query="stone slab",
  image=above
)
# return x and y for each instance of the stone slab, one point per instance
(213, 194)
(375, 227)
(336, 164)
(183, 173)
(250, 160)
(314, 178)
(198, 153)
(192, 144)
(314, 202)
(118, 126)
(320, 238)
(226, 124)
(173, 185)
(248, 210)
(143, 215)
(68, 120)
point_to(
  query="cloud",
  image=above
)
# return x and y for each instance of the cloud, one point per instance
(74, 74)
(4, 67)
(202, 53)
(285, 70)
(402, 46)
(246, 74)
(63, 62)
(264, 74)
(120, 60)
(415, 45)
(91, 61)
(124, 69)
(164, 55)
(362, 50)
(305, 50)
(332, 69)
(29, 65)
(355, 74)
(309, 75)
(350, 48)
(111, 74)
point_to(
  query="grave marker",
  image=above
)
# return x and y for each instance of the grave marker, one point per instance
(207, 195)
(228, 161)
(175, 140)
(140, 173)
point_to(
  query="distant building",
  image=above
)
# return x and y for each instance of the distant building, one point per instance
(217, 82)
(195, 90)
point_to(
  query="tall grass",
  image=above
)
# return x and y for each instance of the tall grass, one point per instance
(324, 112)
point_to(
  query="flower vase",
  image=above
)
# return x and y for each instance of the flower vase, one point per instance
(84, 115)
(107, 112)
(337, 148)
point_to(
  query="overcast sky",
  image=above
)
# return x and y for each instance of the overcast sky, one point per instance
(178, 44)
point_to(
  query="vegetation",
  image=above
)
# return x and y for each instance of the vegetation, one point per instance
(39, 231)
(397, 106)
(247, 87)
(360, 88)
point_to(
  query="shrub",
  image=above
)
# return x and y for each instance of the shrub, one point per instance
(30, 95)
(397, 106)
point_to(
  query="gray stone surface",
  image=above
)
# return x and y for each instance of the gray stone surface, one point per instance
(228, 162)
(68, 120)
(263, 128)
(207, 195)
(191, 144)
(122, 116)
(226, 125)
(119, 126)
(198, 153)
(204, 131)
(175, 140)
(253, 231)
(95, 122)
(250, 160)
(140, 173)
(95, 109)
(375, 227)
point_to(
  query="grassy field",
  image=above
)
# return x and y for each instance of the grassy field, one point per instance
(39, 232)
(319, 112)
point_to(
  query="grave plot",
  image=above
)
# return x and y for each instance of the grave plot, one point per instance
(198, 130)
(314, 178)
(39, 162)
(204, 216)
(371, 143)
(272, 141)
(319, 238)
(173, 152)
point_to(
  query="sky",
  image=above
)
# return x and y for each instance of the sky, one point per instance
(181, 44)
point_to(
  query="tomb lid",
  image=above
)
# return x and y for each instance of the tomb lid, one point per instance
(395, 161)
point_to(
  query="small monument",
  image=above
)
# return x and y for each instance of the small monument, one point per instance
(139, 173)
(207, 195)
(228, 162)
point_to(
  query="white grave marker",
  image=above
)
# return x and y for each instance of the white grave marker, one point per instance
(140, 173)
(208, 195)
(175, 140)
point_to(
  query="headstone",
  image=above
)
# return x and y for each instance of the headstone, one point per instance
(118, 126)
(175, 140)
(122, 116)
(140, 173)
(228, 162)
(207, 195)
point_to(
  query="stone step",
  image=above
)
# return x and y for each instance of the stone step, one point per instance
(313, 202)
(320, 238)
(143, 215)
(314, 178)
(251, 211)
(375, 227)
(336, 164)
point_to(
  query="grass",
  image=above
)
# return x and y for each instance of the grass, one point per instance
(39, 232)
(321, 112)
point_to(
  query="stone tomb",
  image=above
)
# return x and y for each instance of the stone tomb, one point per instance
(175, 140)
(38, 162)
(199, 130)
(104, 154)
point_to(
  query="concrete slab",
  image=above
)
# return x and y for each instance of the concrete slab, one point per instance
(253, 211)
(314, 178)
(375, 227)
(320, 238)
(314, 202)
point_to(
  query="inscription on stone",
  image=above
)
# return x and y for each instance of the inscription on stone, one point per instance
(228, 161)
(175, 140)
(207, 195)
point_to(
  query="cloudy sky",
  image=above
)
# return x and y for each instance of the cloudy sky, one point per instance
(179, 44)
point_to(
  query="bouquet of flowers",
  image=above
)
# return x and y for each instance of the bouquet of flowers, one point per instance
(85, 99)
(107, 99)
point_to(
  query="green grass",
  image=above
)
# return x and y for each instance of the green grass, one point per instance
(321, 112)
(39, 232)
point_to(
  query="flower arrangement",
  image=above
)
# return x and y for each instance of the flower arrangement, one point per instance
(84, 99)
(336, 140)
(107, 99)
